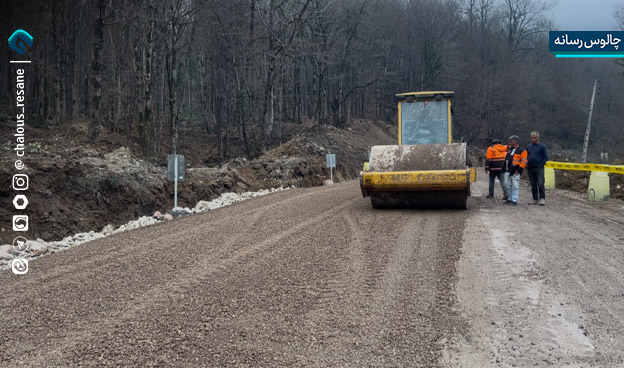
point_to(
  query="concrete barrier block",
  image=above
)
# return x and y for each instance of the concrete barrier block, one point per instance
(598, 186)
(549, 178)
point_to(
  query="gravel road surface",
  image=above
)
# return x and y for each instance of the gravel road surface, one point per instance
(316, 277)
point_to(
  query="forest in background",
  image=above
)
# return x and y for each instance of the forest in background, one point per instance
(239, 69)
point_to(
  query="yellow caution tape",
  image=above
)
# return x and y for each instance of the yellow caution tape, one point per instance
(615, 169)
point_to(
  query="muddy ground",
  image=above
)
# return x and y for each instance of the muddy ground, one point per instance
(541, 286)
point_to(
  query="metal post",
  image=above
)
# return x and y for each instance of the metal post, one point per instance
(175, 181)
(591, 108)
(331, 174)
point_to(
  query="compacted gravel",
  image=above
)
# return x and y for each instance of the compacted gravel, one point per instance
(306, 277)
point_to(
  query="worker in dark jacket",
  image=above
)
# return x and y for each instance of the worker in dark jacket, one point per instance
(515, 162)
(537, 157)
(494, 162)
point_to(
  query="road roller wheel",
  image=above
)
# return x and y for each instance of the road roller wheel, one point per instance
(457, 199)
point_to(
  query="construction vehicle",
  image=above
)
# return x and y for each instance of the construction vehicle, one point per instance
(425, 170)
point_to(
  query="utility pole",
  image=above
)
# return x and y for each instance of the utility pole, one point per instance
(591, 109)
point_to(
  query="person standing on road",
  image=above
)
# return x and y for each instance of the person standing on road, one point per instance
(537, 157)
(494, 162)
(515, 162)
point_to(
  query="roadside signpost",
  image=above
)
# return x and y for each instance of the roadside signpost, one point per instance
(330, 160)
(175, 173)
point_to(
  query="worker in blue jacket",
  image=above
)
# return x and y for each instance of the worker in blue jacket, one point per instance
(537, 157)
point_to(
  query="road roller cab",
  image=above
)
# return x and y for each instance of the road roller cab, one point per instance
(425, 170)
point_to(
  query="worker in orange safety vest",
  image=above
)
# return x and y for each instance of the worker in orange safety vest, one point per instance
(515, 163)
(494, 162)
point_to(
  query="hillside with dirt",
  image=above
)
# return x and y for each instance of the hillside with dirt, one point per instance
(77, 187)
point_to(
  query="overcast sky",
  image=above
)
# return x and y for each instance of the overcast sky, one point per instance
(585, 15)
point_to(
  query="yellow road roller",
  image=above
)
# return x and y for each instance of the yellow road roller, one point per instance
(425, 170)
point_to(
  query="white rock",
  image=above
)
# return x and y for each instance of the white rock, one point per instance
(40, 251)
(168, 217)
(34, 245)
(4, 252)
(201, 206)
(108, 229)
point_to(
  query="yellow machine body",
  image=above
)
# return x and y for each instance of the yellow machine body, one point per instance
(425, 169)
(418, 180)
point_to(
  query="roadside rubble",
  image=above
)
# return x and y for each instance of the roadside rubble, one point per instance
(40, 247)
(82, 186)
(227, 199)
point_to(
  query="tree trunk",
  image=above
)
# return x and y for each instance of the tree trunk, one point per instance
(96, 77)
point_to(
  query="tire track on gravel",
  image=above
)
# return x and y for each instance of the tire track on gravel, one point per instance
(373, 293)
(334, 320)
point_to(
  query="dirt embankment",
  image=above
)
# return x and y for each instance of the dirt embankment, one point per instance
(78, 187)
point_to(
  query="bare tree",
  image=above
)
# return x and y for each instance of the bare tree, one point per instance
(96, 73)
(282, 21)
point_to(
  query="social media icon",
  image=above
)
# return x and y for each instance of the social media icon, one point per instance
(20, 244)
(18, 41)
(20, 201)
(20, 223)
(19, 266)
(20, 181)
